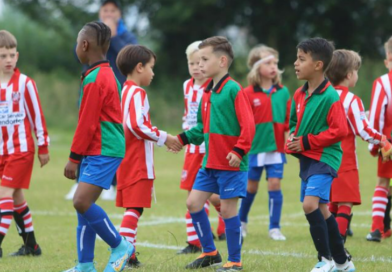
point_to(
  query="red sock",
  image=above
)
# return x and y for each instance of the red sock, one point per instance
(380, 201)
(342, 218)
(191, 232)
(333, 208)
(6, 211)
(128, 227)
(221, 224)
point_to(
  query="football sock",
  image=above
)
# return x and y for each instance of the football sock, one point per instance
(246, 203)
(380, 201)
(333, 208)
(203, 230)
(275, 208)
(85, 237)
(221, 222)
(319, 232)
(101, 224)
(6, 213)
(233, 237)
(24, 222)
(336, 243)
(128, 227)
(192, 238)
(387, 217)
(343, 218)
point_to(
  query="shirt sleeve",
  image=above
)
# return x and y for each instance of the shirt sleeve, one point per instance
(287, 120)
(378, 105)
(185, 125)
(139, 123)
(36, 117)
(196, 134)
(293, 117)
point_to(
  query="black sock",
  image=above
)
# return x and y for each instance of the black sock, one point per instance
(387, 217)
(319, 231)
(28, 237)
(336, 243)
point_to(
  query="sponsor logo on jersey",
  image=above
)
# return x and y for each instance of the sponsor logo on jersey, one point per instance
(256, 102)
(15, 97)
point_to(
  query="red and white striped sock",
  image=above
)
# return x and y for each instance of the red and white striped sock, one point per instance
(24, 221)
(221, 224)
(6, 213)
(128, 227)
(380, 201)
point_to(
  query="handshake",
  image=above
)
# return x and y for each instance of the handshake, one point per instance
(173, 144)
(386, 149)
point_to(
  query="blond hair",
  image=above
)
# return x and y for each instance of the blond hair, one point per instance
(192, 48)
(7, 40)
(343, 62)
(254, 58)
(388, 46)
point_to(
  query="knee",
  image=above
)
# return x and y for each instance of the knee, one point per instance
(193, 206)
(253, 186)
(309, 207)
(273, 184)
(80, 205)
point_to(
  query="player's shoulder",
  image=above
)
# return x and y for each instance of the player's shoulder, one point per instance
(185, 84)
(249, 89)
(131, 88)
(233, 86)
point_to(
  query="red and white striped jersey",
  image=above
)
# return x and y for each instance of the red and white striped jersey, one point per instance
(140, 137)
(359, 126)
(20, 114)
(380, 115)
(192, 97)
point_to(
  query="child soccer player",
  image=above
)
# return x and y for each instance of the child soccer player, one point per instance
(317, 125)
(20, 115)
(226, 125)
(135, 175)
(380, 119)
(343, 74)
(270, 102)
(99, 140)
(193, 91)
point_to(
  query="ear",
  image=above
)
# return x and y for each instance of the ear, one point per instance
(85, 45)
(223, 61)
(319, 65)
(139, 67)
(349, 75)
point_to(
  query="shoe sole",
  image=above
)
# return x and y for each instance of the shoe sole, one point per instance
(202, 267)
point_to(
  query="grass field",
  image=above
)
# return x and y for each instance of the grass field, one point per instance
(161, 230)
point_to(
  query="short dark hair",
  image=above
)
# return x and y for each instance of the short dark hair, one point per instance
(219, 44)
(99, 31)
(131, 55)
(7, 40)
(320, 49)
(343, 62)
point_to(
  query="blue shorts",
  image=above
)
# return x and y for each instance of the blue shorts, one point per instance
(317, 185)
(227, 184)
(99, 170)
(273, 171)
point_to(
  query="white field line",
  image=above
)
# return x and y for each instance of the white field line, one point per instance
(298, 255)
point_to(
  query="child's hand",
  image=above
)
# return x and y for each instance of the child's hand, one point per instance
(173, 144)
(43, 159)
(70, 170)
(386, 150)
(295, 144)
(234, 160)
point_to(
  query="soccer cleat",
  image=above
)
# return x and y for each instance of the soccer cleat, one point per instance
(27, 251)
(374, 236)
(134, 263)
(230, 266)
(205, 260)
(387, 234)
(350, 232)
(120, 256)
(222, 237)
(82, 267)
(109, 194)
(348, 266)
(189, 249)
(72, 192)
(276, 235)
(324, 265)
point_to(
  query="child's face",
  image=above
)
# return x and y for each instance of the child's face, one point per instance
(8, 60)
(305, 66)
(210, 63)
(388, 61)
(353, 78)
(268, 69)
(109, 12)
(147, 73)
(193, 66)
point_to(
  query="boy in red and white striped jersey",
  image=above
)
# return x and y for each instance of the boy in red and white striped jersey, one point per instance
(380, 118)
(135, 175)
(20, 115)
(343, 74)
(194, 154)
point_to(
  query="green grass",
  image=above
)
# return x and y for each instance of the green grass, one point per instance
(55, 223)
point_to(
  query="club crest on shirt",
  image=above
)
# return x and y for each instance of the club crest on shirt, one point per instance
(362, 115)
(15, 97)
(298, 107)
(256, 102)
(184, 175)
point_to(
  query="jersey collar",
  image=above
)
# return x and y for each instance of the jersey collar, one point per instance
(320, 89)
(102, 63)
(219, 86)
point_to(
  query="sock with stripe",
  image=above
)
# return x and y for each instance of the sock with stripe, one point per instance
(343, 218)
(233, 237)
(275, 208)
(24, 222)
(246, 204)
(6, 213)
(101, 224)
(221, 223)
(191, 234)
(387, 217)
(336, 243)
(333, 208)
(85, 238)
(203, 230)
(380, 201)
(319, 232)
(128, 227)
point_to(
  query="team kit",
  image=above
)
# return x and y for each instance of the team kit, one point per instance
(231, 135)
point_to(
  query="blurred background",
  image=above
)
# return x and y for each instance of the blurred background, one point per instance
(47, 30)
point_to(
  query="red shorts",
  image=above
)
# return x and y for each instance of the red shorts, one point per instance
(137, 195)
(191, 167)
(384, 169)
(16, 170)
(345, 188)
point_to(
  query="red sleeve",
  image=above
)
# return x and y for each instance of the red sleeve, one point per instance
(89, 120)
(337, 130)
(246, 122)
